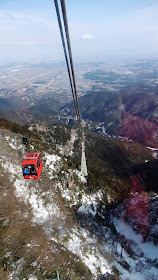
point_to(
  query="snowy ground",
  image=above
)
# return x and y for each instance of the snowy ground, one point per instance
(145, 254)
(143, 265)
(68, 148)
(79, 240)
(43, 212)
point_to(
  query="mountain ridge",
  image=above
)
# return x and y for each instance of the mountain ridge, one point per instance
(111, 109)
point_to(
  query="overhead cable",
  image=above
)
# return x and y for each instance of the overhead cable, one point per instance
(69, 50)
(65, 53)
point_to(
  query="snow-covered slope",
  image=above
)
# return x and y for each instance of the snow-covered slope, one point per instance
(75, 230)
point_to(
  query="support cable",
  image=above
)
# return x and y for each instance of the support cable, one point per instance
(65, 53)
(65, 21)
(70, 52)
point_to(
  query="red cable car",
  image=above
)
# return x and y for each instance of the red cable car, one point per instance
(32, 166)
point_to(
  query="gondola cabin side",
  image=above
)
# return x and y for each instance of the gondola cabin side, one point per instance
(32, 166)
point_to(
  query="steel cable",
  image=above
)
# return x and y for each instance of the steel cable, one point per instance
(65, 52)
(69, 50)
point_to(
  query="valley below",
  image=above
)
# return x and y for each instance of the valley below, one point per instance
(102, 226)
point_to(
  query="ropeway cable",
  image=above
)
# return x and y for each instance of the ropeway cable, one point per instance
(70, 52)
(65, 21)
(65, 53)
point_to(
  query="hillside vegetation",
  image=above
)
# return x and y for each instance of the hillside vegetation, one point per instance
(131, 113)
(62, 221)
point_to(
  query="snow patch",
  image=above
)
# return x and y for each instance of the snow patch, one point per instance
(52, 163)
(33, 278)
(41, 212)
(13, 143)
(152, 149)
(149, 250)
(90, 255)
(10, 168)
(68, 148)
(28, 194)
(127, 231)
(90, 203)
(72, 195)
(81, 177)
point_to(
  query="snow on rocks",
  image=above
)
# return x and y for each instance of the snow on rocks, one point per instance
(80, 176)
(72, 196)
(51, 160)
(52, 163)
(125, 230)
(13, 143)
(10, 167)
(33, 278)
(17, 267)
(67, 194)
(152, 149)
(68, 148)
(138, 269)
(42, 212)
(22, 189)
(39, 127)
(83, 245)
(72, 140)
(88, 209)
(90, 203)
(148, 248)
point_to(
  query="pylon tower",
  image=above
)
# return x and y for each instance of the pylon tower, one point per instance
(83, 160)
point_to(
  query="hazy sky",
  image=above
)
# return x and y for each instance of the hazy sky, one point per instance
(29, 29)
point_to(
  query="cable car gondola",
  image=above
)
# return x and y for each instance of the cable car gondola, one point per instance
(32, 166)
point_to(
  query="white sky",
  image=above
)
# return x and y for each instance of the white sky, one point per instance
(29, 28)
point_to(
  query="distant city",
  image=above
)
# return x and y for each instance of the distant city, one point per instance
(29, 82)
